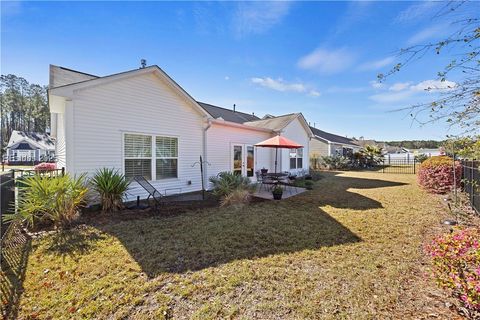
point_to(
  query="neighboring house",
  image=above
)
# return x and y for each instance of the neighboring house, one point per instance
(29, 148)
(329, 144)
(429, 152)
(141, 122)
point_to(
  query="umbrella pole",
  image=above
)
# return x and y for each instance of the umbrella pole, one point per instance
(276, 154)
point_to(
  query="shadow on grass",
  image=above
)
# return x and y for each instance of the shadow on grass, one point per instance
(16, 247)
(334, 190)
(74, 242)
(197, 240)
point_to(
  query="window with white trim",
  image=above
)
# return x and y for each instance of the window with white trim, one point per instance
(296, 158)
(138, 156)
(166, 157)
(157, 160)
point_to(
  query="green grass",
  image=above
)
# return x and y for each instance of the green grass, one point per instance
(347, 249)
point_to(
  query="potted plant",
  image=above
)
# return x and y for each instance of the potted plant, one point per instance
(277, 192)
(264, 171)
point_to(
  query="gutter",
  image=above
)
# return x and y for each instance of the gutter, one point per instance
(205, 169)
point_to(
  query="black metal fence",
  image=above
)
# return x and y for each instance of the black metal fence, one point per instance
(471, 182)
(408, 166)
(14, 242)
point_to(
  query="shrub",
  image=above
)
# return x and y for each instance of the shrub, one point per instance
(111, 185)
(421, 157)
(238, 198)
(456, 265)
(436, 174)
(45, 167)
(50, 200)
(227, 182)
(335, 162)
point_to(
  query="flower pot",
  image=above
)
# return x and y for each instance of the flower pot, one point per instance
(277, 196)
(264, 171)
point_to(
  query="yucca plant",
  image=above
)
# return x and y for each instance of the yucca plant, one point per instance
(111, 185)
(227, 182)
(49, 200)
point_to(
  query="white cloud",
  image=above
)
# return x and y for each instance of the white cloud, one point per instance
(376, 85)
(399, 86)
(432, 32)
(403, 91)
(376, 64)
(282, 86)
(434, 85)
(252, 17)
(416, 11)
(327, 61)
(227, 78)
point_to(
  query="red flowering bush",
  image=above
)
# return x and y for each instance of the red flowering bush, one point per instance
(436, 174)
(456, 264)
(45, 166)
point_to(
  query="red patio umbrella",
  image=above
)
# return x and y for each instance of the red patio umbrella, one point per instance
(278, 142)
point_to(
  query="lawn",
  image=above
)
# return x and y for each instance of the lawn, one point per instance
(350, 248)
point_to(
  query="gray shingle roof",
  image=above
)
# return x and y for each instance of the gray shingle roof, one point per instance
(332, 137)
(275, 123)
(227, 114)
(38, 140)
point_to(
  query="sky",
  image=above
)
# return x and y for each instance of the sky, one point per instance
(318, 58)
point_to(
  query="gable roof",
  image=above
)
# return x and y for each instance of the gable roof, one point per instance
(227, 114)
(279, 123)
(274, 123)
(65, 90)
(34, 139)
(330, 137)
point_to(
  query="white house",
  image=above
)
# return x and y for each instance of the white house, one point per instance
(29, 147)
(143, 123)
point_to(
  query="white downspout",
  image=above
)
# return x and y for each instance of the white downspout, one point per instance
(205, 159)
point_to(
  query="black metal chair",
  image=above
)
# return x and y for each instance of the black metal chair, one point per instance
(152, 192)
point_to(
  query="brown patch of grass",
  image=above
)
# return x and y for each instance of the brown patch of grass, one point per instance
(351, 248)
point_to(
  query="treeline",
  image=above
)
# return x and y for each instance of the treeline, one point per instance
(23, 106)
(416, 144)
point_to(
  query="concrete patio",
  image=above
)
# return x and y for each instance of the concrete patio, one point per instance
(264, 192)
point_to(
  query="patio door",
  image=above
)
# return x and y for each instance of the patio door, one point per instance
(243, 160)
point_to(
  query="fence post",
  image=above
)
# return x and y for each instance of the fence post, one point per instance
(383, 164)
(473, 183)
(63, 171)
(414, 166)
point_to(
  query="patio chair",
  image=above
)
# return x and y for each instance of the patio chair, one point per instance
(152, 192)
(288, 182)
(266, 181)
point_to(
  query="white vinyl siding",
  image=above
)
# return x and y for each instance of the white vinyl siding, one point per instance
(297, 132)
(141, 104)
(221, 138)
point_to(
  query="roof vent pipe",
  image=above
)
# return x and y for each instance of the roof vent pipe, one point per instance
(143, 63)
(234, 107)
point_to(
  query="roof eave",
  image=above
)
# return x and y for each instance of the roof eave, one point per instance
(240, 125)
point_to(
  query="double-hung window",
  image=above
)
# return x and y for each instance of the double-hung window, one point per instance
(296, 158)
(150, 156)
(138, 155)
(166, 157)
